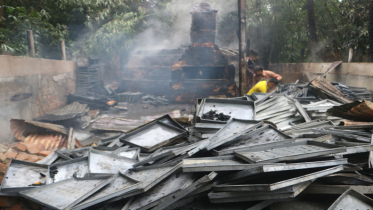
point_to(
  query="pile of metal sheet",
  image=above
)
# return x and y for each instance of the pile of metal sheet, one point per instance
(272, 149)
(354, 93)
(317, 110)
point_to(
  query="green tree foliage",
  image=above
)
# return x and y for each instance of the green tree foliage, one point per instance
(100, 28)
(20, 16)
(278, 29)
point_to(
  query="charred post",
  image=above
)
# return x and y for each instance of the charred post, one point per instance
(63, 50)
(242, 46)
(30, 42)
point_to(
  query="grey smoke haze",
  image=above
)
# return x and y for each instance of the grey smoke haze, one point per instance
(161, 35)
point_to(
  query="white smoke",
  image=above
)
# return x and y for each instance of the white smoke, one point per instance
(161, 35)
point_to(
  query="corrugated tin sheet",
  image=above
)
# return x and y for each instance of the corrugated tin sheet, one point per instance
(67, 112)
(358, 111)
(47, 142)
(21, 128)
(325, 90)
(46, 136)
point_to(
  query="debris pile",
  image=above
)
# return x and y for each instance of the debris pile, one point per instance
(354, 93)
(213, 115)
(148, 99)
(271, 149)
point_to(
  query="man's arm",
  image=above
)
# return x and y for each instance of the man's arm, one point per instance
(272, 74)
(251, 91)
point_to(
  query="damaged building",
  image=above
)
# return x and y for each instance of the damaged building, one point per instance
(175, 133)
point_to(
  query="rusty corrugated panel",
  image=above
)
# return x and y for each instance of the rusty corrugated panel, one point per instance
(67, 112)
(21, 128)
(325, 90)
(358, 111)
(46, 136)
(46, 142)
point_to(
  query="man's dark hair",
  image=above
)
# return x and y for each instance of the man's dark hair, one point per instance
(258, 68)
(274, 80)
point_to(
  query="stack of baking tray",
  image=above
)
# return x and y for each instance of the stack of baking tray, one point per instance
(275, 157)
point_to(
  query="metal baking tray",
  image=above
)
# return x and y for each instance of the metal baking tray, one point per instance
(76, 153)
(166, 188)
(103, 163)
(209, 125)
(151, 177)
(77, 168)
(200, 183)
(279, 184)
(231, 130)
(238, 109)
(167, 119)
(132, 153)
(337, 189)
(254, 170)
(119, 187)
(66, 194)
(352, 199)
(166, 152)
(258, 96)
(292, 151)
(347, 179)
(153, 136)
(262, 205)
(229, 197)
(230, 151)
(223, 163)
(264, 135)
(21, 174)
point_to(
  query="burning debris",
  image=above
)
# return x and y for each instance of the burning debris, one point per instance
(202, 70)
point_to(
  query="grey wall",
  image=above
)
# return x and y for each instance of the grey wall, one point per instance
(48, 80)
(353, 74)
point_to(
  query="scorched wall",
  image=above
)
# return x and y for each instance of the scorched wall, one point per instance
(29, 87)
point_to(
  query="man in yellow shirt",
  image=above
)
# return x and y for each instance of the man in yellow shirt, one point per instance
(264, 86)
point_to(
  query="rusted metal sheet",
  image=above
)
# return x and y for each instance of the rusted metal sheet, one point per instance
(69, 111)
(358, 111)
(188, 91)
(325, 90)
(46, 136)
(47, 142)
(21, 128)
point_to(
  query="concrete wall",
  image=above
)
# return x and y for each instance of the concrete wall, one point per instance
(353, 74)
(48, 81)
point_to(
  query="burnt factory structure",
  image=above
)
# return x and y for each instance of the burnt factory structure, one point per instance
(201, 70)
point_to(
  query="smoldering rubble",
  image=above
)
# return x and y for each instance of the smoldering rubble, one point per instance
(275, 148)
